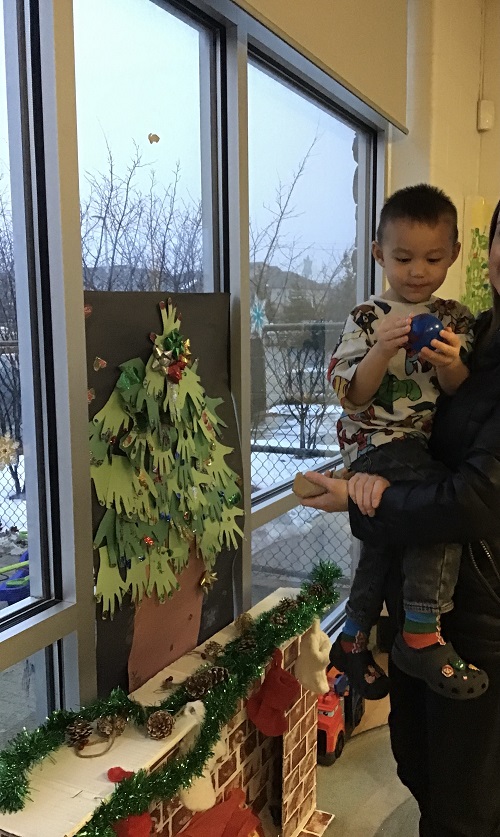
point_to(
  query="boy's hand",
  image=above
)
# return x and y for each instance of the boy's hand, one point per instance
(392, 335)
(446, 350)
(451, 371)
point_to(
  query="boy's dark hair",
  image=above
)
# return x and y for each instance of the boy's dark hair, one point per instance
(423, 204)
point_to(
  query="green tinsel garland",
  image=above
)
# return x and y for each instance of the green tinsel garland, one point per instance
(135, 795)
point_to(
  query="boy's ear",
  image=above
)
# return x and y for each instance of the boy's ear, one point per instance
(378, 254)
(456, 251)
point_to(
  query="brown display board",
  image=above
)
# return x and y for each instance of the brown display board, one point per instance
(141, 640)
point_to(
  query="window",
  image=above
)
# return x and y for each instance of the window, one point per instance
(304, 234)
(46, 624)
(24, 695)
(144, 139)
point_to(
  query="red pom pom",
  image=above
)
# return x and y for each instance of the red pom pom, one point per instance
(137, 825)
(118, 774)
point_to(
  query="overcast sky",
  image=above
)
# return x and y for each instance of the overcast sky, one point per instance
(138, 73)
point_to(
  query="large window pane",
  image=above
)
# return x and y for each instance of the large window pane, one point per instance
(302, 171)
(144, 139)
(23, 696)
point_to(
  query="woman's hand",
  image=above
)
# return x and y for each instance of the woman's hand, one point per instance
(335, 497)
(366, 491)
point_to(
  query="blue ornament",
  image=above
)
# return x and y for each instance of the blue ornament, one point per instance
(424, 328)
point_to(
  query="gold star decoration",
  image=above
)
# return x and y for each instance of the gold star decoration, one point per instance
(207, 581)
(8, 450)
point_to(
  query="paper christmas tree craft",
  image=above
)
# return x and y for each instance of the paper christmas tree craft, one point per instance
(158, 466)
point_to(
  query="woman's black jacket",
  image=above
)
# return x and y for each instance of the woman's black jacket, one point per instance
(463, 506)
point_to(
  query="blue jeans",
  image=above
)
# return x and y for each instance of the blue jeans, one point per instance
(430, 572)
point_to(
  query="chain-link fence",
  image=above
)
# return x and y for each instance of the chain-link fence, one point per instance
(12, 500)
(294, 409)
(12, 489)
(285, 550)
(294, 416)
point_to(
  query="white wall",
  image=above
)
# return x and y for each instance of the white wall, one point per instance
(489, 164)
(453, 60)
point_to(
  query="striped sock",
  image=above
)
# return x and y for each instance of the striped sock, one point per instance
(353, 638)
(420, 630)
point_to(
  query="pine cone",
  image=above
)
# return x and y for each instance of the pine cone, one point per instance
(287, 604)
(198, 685)
(79, 732)
(316, 589)
(243, 622)
(278, 619)
(247, 643)
(107, 724)
(212, 650)
(160, 724)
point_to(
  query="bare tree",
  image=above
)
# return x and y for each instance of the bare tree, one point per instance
(271, 243)
(290, 355)
(136, 240)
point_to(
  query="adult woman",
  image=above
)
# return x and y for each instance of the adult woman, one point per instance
(448, 752)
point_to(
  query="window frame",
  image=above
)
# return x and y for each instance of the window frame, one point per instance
(40, 65)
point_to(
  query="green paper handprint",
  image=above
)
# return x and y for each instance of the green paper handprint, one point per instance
(110, 586)
(137, 579)
(161, 577)
(229, 528)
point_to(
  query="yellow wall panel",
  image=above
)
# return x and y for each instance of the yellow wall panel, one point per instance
(362, 43)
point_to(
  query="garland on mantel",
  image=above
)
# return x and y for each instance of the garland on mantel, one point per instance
(244, 659)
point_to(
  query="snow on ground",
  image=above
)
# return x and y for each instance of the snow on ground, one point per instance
(280, 429)
(12, 512)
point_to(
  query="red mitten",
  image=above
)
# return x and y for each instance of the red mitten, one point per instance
(267, 707)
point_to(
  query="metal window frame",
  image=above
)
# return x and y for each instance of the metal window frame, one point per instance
(42, 152)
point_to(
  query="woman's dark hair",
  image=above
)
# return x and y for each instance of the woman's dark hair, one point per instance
(493, 225)
(484, 335)
(495, 320)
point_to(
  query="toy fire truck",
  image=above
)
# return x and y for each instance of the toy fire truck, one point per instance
(339, 711)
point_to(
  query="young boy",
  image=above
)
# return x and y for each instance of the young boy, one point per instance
(389, 397)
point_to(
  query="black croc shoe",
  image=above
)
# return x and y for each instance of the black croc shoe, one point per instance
(364, 675)
(441, 668)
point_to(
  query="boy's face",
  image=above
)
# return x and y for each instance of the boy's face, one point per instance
(415, 257)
